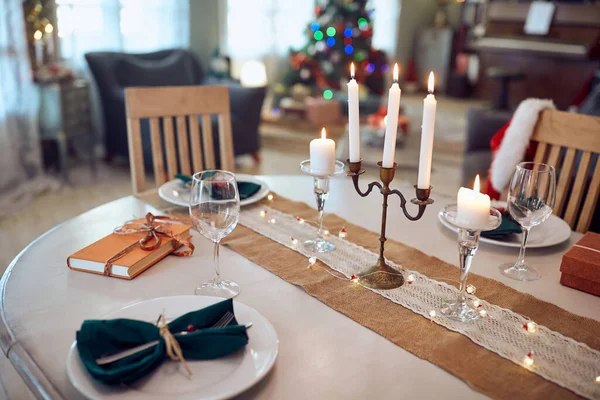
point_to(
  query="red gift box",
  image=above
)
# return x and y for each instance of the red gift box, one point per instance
(580, 265)
(323, 112)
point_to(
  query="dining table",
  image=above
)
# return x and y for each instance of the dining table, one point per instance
(322, 353)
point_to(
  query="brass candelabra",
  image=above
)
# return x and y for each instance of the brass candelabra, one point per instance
(381, 275)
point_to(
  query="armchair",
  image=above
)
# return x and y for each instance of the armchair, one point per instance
(113, 72)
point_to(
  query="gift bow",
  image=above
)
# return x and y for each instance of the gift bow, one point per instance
(152, 239)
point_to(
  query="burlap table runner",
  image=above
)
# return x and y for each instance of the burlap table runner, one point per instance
(484, 370)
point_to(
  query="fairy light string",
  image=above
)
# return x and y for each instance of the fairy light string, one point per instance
(530, 327)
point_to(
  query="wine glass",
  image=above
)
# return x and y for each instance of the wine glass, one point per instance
(530, 201)
(215, 211)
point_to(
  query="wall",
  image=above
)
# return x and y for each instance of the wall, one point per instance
(414, 15)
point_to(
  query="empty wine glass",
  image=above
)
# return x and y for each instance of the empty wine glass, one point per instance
(215, 211)
(530, 201)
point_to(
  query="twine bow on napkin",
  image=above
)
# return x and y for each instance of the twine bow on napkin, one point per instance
(171, 344)
(152, 240)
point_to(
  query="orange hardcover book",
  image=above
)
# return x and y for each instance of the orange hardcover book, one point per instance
(93, 257)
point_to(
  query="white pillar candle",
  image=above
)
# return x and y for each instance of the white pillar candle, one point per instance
(473, 207)
(49, 29)
(391, 129)
(427, 132)
(37, 47)
(322, 154)
(353, 117)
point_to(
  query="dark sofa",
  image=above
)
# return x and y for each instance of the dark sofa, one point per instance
(113, 72)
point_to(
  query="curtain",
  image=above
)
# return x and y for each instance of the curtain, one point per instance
(21, 173)
(120, 25)
(267, 29)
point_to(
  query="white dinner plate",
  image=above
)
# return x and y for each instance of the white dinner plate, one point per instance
(551, 232)
(175, 193)
(211, 379)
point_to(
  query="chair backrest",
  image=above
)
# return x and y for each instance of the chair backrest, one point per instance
(571, 143)
(179, 106)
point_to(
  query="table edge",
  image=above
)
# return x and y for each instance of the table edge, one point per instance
(25, 366)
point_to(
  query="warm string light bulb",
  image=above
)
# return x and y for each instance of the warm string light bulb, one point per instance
(432, 314)
(270, 197)
(354, 278)
(325, 233)
(37, 35)
(272, 221)
(476, 303)
(528, 360)
(263, 213)
(312, 261)
(343, 234)
(471, 289)
(300, 220)
(294, 241)
(410, 279)
(598, 379)
(530, 327)
(483, 313)
(49, 28)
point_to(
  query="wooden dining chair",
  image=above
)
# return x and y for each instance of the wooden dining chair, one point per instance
(571, 143)
(179, 106)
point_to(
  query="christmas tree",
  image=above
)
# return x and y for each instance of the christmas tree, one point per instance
(340, 34)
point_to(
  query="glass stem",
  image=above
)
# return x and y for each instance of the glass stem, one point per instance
(468, 242)
(520, 264)
(321, 187)
(216, 262)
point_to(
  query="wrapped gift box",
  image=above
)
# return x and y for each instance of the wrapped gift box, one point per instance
(580, 265)
(322, 112)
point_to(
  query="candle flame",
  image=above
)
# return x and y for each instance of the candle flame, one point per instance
(476, 184)
(49, 28)
(352, 70)
(37, 35)
(323, 134)
(395, 73)
(430, 83)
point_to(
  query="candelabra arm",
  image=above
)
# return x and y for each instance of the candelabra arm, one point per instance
(403, 206)
(370, 187)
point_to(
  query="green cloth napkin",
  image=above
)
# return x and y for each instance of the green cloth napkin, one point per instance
(98, 338)
(508, 226)
(245, 189)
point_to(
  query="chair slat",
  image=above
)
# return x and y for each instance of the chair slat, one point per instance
(540, 153)
(564, 181)
(170, 147)
(157, 154)
(207, 141)
(578, 187)
(183, 147)
(554, 155)
(136, 155)
(226, 143)
(196, 146)
(589, 206)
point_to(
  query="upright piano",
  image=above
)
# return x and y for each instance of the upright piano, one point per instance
(557, 65)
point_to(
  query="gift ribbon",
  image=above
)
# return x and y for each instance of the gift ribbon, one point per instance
(152, 239)
(587, 248)
(171, 344)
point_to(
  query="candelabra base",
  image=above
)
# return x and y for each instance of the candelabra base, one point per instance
(459, 311)
(381, 276)
(319, 245)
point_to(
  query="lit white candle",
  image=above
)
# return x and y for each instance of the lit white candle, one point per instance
(391, 129)
(49, 29)
(322, 154)
(37, 47)
(427, 132)
(473, 207)
(353, 116)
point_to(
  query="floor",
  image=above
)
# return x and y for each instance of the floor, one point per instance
(281, 152)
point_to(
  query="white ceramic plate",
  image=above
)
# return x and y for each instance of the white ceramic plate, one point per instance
(551, 232)
(212, 379)
(175, 193)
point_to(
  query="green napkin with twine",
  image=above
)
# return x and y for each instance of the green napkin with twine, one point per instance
(508, 226)
(98, 338)
(245, 189)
